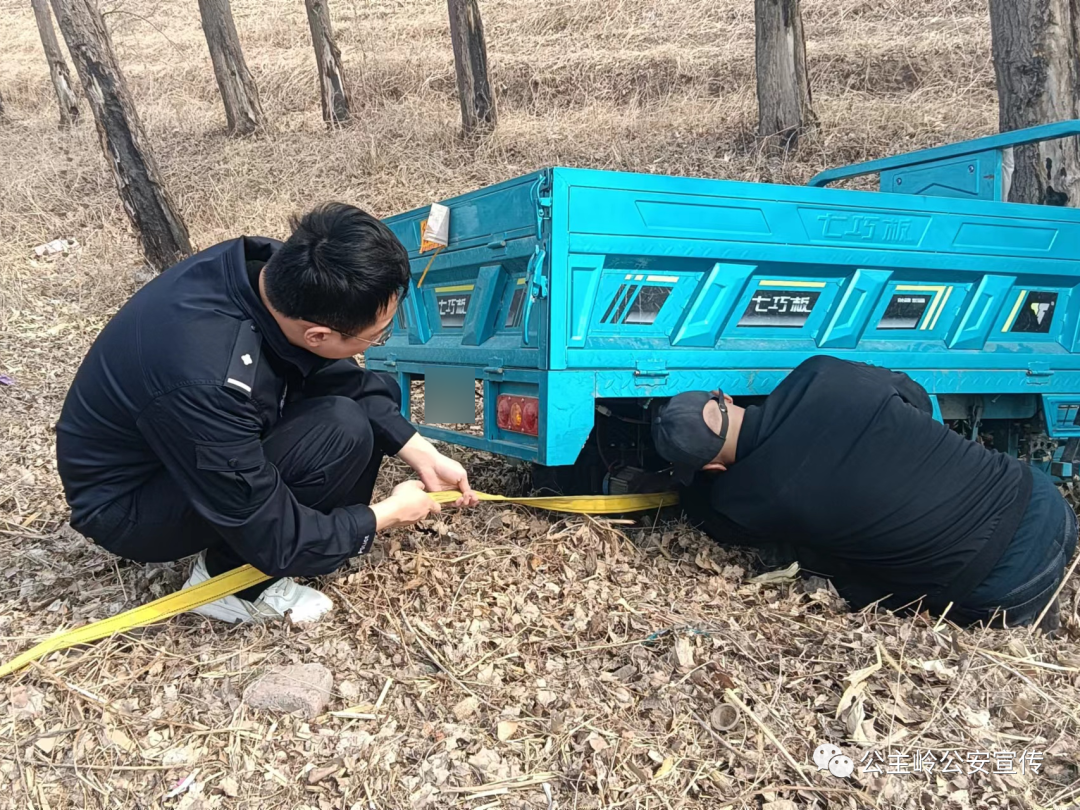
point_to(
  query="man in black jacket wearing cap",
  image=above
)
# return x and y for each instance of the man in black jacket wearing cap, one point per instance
(221, 413)
(845, 463)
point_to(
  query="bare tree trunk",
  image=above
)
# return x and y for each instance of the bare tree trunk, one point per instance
(470, 61)
(332, 91)
(783, 88)
(61, 79)
(243, 112)
(162, 231)
(1037, 63)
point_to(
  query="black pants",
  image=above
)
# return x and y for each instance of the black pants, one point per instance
(1020, 601)
(1017, 596)
(326, 455)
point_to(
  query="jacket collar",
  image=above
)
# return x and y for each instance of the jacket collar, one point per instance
(257, 248)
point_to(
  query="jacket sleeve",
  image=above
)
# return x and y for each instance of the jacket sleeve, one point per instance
(696, 504)
(910, 391)
(209, 440)
(377, 391)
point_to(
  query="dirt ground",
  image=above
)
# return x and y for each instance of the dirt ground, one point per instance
(501, 658)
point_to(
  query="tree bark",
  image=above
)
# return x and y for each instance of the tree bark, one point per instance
(332, 91)
(61, 79)
(243, 112)
(470, 63)
(1037, 64)
(162, 231)
(783, 87)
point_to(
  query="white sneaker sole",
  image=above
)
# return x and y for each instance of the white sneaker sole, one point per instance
(311, 606)
(225, 612)
(229, 609)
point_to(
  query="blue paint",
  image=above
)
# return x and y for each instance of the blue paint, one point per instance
(586, 285)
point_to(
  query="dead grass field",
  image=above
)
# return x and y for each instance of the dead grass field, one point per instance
(607, 648)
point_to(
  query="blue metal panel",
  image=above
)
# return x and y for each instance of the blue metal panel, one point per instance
(725, 220)
(973, 177)
(1062, 415)
(981, 312)
(495, 226)
(712, 304)
(567, 413)
(480, 219)
(480, 323)
(585, 274)
(942, 154)
(757, 381)
(852, 314)
(1070, 324)
(419, 330)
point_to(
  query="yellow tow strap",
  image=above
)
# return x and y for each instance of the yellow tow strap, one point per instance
(244, 577)
(583, 505)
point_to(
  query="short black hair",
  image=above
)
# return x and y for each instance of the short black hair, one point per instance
(340, 268)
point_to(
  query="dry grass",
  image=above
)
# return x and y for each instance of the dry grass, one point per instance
(609, 645)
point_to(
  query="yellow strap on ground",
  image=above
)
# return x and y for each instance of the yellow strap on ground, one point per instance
(580, 505)
(164, 608)
(244, 577)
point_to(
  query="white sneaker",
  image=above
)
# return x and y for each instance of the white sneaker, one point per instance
(302, 603)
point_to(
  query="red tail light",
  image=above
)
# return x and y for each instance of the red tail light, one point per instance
(518, 414)
(530, 416)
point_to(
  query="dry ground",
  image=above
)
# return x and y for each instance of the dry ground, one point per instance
(605, 649)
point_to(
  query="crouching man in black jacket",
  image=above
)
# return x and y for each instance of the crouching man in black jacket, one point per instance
(844, 462)
(221, 412)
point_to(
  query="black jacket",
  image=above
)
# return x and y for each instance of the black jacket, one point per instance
(845, 462)
(189, 375)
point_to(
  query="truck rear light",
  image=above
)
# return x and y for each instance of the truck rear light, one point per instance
(518, 414)
(530, 416)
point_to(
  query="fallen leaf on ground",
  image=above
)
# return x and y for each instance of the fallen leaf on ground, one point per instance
(230, 787)
(505, 730)
(466, 707)
(788, 574)
(119, 738)
(684, 653)
(666, 767)
(316, 775)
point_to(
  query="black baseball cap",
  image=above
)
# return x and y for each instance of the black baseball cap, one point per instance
(682, 436)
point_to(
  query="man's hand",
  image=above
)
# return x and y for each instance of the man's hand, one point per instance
(408, 503)
(444, 473)
(438, 472)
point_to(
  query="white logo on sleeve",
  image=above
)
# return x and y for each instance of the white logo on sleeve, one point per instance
(247, 359)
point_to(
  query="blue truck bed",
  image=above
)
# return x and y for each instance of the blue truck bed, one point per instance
(581, 296)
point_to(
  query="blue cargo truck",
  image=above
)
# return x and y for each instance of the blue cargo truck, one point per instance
(578, 299)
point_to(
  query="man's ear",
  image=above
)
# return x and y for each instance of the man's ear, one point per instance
(316, 336)
(714, 466)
